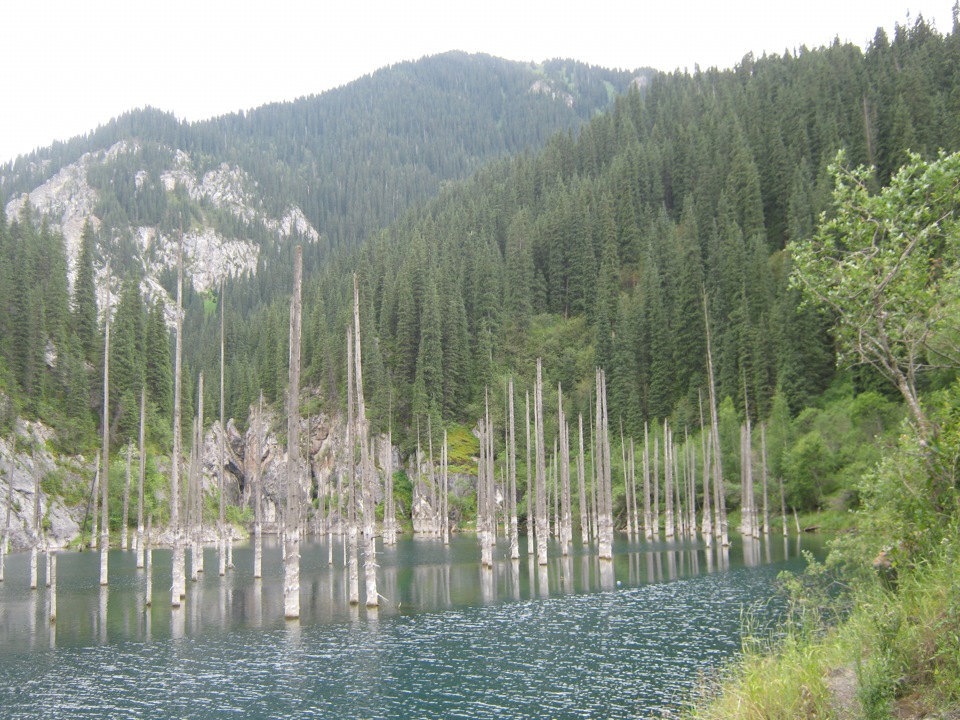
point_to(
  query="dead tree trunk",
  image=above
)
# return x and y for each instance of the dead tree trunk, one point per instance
(389, 512)
(717, 464)
(512, 474)
(196, 479)
(668, 529)
(582, 489)
(291, 518)
(566, 520)
(142, 457)
(543, 529)
(124, 534)
(105, 485)
(258, 494)
(5, 541)
(531, 511)
(763, 470)
(36, 529)
(222, 518)
(366, 464)
(353, 567)
(647, 516)
(605, 491)
(178, 587)
(706, 524)
(445, 492)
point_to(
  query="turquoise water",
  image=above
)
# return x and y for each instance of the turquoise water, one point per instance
(449, 640)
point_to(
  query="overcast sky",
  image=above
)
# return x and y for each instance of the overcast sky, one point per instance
(71, 65)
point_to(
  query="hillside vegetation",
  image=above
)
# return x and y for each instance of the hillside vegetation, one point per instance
(601, 249)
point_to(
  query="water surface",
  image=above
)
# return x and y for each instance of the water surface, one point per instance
(585, 639)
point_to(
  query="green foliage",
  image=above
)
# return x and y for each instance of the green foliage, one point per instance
(885, 264)
(71, 489)
(403, 494)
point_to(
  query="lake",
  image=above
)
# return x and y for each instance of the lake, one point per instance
(450, 640)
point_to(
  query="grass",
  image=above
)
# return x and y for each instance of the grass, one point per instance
(896, 654)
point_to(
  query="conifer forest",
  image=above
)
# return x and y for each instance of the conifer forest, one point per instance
(703, 306)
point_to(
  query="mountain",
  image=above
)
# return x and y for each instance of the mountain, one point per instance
(325, 170)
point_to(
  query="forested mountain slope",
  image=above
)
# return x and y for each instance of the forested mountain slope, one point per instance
(599, 250)
(324, 171)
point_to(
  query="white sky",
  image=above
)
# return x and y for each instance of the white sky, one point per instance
(70, 65)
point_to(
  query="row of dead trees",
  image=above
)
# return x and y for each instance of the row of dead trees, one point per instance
(546, 484)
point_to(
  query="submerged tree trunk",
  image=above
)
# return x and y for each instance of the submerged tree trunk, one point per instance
(366, 465)
(530, 501)
(543, 530)
(668, 529)
(196, 482)
(124, 533)
(763, 470)
(582, 489)
(178, 587)
(5, 540)
(647, 516)
(291, 569)
(222, 519)
(258, 494)
(706, 524)
(721, 503)
(512, 477)
(36, 529)
(353, 569)
(445, 495)
(605, 491)
(105, 484)
(143, 471)
(566, 519)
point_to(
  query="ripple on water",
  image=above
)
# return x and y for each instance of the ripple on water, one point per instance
(629, 653)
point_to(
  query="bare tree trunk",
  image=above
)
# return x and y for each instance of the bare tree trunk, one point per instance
(668, 529)
(512, 477)
(366, 464)
(566, 516)
(353, 568)
(543, 530)
(390, 511)
(783, 507)
(656, 485)
(148, 554)
(445, 480)
(582, 489)
(93, 504)
(178, 586)
(105, 485)
(763, 466)
(124, 533)
(258, 495)
(531, 511)
(5, 541)
(706, 524)
(193, 537)
(605, 491)
(692, 486)
(717, 464)
(52, 584)
(196, 478)
(485, 519)
(626, 479)
(746, 524)
(291, 574)
(143, 471)
(222, 518)
(36, 529)
(648, 525)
